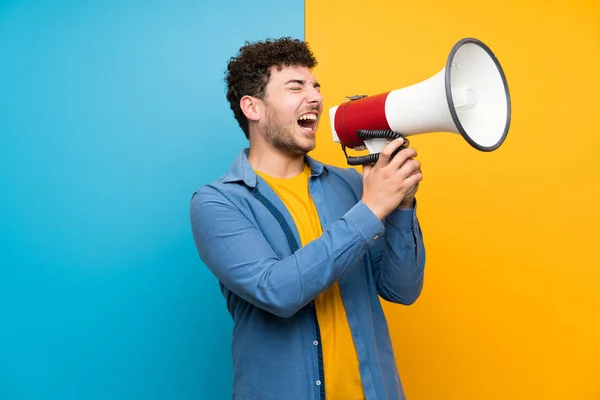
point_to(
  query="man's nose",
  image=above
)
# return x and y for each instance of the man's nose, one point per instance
(314, 96)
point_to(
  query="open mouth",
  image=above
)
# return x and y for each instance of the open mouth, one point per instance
(308, 122)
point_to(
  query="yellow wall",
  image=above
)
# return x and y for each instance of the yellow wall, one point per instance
(511, 304)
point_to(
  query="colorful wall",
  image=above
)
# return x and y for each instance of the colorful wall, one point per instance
(510, 307)
(112, 113)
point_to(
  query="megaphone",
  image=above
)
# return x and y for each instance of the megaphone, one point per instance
(469, 96)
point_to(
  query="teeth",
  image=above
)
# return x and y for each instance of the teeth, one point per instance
(311, 117)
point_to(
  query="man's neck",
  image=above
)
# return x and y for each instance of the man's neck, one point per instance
(275, 163)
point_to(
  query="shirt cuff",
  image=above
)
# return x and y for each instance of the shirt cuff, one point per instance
(366, 223)
(403, 220)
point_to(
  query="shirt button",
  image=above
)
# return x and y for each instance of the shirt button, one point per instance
(375, 237)
(318, 383)
(316, 342)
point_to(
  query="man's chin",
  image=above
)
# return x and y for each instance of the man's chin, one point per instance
(306, 148)
(298, 147)
(298, 150)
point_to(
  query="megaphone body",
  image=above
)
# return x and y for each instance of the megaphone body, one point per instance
(469, 96)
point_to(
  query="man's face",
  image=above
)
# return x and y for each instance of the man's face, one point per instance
(293, 106)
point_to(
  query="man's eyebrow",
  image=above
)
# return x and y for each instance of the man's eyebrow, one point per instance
(302, 83)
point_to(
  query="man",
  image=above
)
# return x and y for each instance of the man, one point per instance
(303, 250)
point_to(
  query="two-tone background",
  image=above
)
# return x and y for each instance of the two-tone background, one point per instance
(112, 113)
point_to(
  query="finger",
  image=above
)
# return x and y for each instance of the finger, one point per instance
(386, 153)
(415, 180)
(411, 192)
(409, 168)
(402, 156)
(418, 171)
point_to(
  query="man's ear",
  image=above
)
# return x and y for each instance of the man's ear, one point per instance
(250, 107)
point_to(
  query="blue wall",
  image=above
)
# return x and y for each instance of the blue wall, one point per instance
(111, 114)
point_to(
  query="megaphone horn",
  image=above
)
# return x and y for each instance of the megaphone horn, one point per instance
(469, 96)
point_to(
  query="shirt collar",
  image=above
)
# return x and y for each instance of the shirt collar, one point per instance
(241, 170)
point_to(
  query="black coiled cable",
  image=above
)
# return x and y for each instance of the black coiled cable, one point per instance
(378, 134)
(373, 134)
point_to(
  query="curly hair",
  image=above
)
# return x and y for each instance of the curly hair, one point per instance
(248, 73)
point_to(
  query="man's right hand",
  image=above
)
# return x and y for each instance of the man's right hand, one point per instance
(388, 182)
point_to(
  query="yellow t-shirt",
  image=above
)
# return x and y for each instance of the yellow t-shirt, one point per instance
(340, 362)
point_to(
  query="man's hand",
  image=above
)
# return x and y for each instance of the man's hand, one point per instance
(391, 184)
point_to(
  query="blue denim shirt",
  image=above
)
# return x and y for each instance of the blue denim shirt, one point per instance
(269, 288)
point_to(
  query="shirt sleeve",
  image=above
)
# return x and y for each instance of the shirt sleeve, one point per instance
(237, 253)
(398, 262)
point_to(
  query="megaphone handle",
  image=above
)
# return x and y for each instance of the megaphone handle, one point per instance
(373, 134)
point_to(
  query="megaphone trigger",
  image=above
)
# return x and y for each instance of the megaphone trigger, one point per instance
(368, 135)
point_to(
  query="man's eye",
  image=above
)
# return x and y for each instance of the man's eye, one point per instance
(296, 88)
